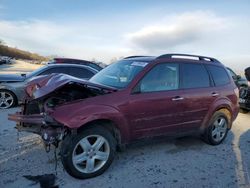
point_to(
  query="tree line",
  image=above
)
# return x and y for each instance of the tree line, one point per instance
(19, 54)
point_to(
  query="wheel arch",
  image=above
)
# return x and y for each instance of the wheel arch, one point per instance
(83, 117)
(223, 107)
(108, 124)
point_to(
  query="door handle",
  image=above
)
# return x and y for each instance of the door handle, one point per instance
(177, 98)
(214, 94)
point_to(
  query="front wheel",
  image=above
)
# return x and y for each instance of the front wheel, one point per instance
(217, 129)
(89, 153)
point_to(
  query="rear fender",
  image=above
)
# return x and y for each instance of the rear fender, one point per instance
(218, 105)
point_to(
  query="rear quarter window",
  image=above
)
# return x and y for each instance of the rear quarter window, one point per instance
(219, 75)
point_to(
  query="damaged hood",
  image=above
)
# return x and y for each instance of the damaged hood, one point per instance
(44, 85)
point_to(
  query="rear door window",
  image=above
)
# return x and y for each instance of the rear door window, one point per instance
(219, 74)
(194, 76)
(81, 72)
(63, 70)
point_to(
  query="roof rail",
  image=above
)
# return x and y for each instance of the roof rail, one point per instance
(200, 58)
(136, 56)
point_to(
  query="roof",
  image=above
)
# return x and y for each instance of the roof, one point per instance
(141, 58)
(173, 56)
(71, 59)
(72, 65)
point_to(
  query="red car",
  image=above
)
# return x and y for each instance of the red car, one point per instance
(137, 97)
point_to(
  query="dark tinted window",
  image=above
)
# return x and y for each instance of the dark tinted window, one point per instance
(219, 75)
(194, 76)
(55, 70)
(95, 66)
(81, 72)
(162, 77)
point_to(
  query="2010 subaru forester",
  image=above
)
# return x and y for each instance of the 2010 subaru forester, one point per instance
(137, 97)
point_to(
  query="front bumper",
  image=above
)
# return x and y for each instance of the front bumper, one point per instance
(51, 131)
(28, 123)
(34, 118)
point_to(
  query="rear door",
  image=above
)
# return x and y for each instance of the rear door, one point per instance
(198, 94)
(156, 109)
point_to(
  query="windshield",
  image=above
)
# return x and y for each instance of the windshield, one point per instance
(119, 74)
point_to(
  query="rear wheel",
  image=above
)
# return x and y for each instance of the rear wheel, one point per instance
(89, 153)
(217, 129)
(7, 99)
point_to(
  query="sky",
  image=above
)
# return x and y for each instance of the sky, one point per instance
(103, 30)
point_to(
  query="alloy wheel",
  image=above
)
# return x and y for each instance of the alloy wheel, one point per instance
(91, 153)
(219, 129)
(6, 99)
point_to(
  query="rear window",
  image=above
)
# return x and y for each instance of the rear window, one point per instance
(194, 76)
(219, 74)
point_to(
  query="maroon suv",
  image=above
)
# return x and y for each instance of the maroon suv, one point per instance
(137, 97)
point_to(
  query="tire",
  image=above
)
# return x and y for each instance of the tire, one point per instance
(244, 111)
(216, 131)
(7, 99)
(243, 87)
(77, 155)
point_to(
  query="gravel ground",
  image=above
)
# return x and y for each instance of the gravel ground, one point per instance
(183, 162)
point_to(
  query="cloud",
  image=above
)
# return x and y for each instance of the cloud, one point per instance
(31, 35)
(199, 32)
(177, 30)
(68, 39)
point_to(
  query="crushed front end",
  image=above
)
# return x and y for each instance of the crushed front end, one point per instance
(43, 95)
(38, 121)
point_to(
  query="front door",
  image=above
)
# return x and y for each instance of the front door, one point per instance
(156, 106)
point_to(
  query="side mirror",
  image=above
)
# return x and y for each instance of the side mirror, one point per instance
(23, 75)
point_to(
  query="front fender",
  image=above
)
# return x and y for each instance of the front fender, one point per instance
(77, 115)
